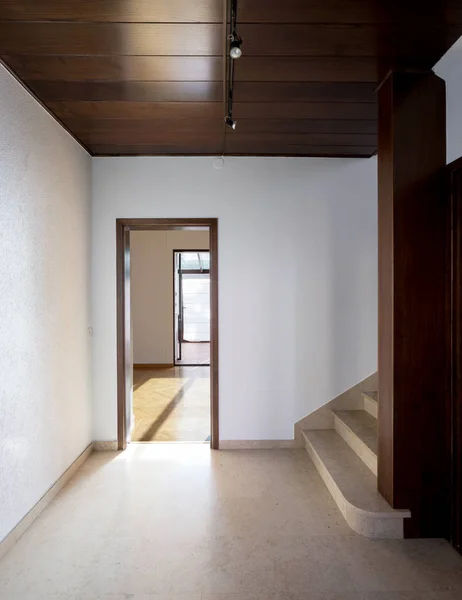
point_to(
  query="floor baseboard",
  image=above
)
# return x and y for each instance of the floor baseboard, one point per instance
(153, 365)
(255, 444)
(14, 535)
(105, 446)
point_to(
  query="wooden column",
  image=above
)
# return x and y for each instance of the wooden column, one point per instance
(413, 316)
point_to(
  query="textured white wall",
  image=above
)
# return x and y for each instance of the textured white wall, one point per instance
(151, 289)
(45, 406)
(297, 278)
(450, 69)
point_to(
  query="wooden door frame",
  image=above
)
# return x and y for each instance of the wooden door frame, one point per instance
(122, 227)
(454, 415)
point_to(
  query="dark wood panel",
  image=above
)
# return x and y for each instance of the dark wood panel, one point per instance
(111, 38)
(346, 11)
(307, 126)
(208, 149)
(302, 139)
(420, 46)
(299, 110)
(187, 91)
(251, 11)
(304, 92)
(176, 136)
(152, 11)
(319, 68)
(137, 110)
(279, 147)
(413, 365)
(245, 126)
(200, 147)
(144, 127)
(117, 68)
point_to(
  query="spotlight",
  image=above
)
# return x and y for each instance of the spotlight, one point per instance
(230, 122)
(235, 48)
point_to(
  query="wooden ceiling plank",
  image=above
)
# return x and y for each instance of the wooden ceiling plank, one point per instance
(300, 139)
(212, 150)
(304, 92)
(147, 126)
(246, 126)
(305, 110)
(116, 68)
(249, 11)
(295, 68)
(137, 11)
(399, 42)
(347, 11)
(136, 110)
(134, 91)
(87, 39)
(161, 138)
(249, 110)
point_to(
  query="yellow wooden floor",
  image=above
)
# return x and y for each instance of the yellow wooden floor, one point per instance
(171, 405)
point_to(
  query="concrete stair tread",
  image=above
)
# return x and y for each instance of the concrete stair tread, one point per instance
(355, 481)
(362, 424)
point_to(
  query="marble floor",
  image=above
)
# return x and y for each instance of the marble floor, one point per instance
(180, 522)
(171, 404)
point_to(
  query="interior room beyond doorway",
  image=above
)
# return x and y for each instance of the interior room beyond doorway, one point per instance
(171, 401)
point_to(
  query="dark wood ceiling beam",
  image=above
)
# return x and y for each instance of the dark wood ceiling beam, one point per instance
(132, 91)
(116, 68)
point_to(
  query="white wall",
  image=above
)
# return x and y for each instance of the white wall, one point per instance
(45, 406)
(297, 278)
(151, 268)
(450, 69)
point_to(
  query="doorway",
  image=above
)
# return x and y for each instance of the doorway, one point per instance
(161, 392)
(191, 310)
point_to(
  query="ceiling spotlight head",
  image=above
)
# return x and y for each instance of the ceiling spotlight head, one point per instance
(235, 49)
(230, 122)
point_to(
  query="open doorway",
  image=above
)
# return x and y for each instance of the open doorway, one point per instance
(167, 394)
(191, 311)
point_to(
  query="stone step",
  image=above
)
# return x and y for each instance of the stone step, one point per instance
(359, 430)
(353, 486)
(371, 403)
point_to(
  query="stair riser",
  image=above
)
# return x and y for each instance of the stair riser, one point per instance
(356, 444)
(359, 521)
(371, 406)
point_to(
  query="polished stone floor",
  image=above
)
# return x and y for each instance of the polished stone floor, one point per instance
(171, 404)
(179, 522)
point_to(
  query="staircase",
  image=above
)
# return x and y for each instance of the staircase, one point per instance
(346, 458)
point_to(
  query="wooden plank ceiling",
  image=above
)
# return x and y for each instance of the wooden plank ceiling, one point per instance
(146, 77)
